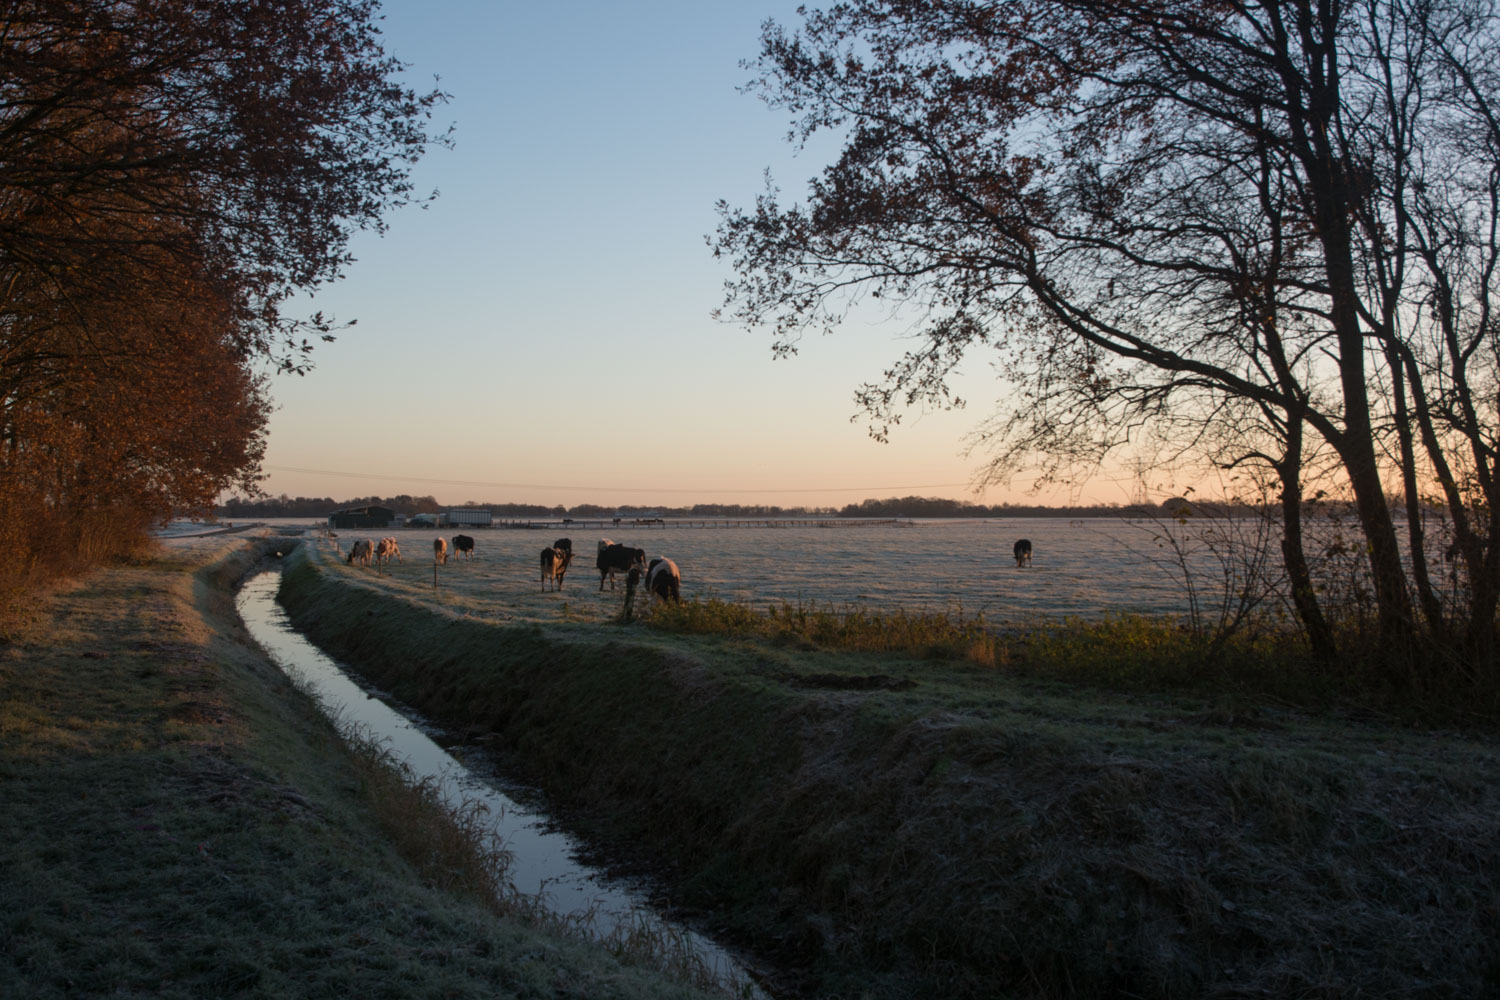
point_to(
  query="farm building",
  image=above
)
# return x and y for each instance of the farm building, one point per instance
(422, 521)
(362, 517)
(467, 518)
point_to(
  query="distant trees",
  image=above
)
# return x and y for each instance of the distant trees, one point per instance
(318, 507)
(171, 173)
(914, 507)
(1267, 230)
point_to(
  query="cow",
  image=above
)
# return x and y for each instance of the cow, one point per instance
(618, 558)
(605, 543)
(463, 545)
(663, 580)
(440, 551)
(360, 552)
(386, 549)
(1022, 551)
(555, 566)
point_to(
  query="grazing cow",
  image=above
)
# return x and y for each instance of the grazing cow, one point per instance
(663, 580)
(386, 549)
(618, 558)
(1022, 552)
(555, 566)
(440, 551)
(463, 545)
(360, 552)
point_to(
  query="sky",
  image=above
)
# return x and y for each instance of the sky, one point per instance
(543, 331)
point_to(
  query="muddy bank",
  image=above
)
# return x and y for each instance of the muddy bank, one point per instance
(950, 832)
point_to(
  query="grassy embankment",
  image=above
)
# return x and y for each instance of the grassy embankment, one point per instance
(944, 822)
(178, 820)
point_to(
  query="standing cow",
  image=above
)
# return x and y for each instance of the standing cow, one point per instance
(555, 563)
(1022, 551)
(386, 549)
(605, 543)
(359, 552)
(440, 551)
(618, 559)
(663, 580)
(463, 545)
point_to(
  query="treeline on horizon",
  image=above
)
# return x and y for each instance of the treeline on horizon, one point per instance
(890, 507)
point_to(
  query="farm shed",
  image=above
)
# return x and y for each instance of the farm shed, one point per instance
(468, 518)
(362, 517)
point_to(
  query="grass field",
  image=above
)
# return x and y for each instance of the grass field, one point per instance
(177, 820)
(929, 822)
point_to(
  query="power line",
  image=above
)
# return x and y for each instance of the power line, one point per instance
(596, 489)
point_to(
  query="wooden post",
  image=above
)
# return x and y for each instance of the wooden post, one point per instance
(631, 580)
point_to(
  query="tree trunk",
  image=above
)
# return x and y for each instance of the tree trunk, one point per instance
(1304, 597)
(1356, 447)
(1432, 608)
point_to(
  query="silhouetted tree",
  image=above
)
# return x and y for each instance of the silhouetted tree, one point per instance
(1156, 210)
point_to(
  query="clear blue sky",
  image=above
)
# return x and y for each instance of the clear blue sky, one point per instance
(542, 332)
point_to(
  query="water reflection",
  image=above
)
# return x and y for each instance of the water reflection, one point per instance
(543, 858)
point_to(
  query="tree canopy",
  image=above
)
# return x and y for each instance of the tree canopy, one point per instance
(172, 172)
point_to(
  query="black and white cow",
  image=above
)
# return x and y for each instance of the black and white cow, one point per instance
(463, 545)
(1022, 552)
(618, 559)
(555, 563)
(663, 580)
(605, 543)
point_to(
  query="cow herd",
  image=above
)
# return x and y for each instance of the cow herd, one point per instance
(661, 575)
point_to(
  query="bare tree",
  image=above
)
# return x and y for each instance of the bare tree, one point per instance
(1150, 209)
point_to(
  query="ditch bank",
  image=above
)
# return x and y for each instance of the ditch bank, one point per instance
(953, 832)
(181, 821)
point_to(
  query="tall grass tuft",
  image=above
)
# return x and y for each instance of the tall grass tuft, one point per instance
(938, 635)
(1137, 652)
(453, 846)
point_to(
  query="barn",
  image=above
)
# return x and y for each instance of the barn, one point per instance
(362, 517)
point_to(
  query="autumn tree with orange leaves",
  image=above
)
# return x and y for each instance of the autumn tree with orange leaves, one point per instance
(172, 172)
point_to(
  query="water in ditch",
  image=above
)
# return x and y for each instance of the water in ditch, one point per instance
(543, 857)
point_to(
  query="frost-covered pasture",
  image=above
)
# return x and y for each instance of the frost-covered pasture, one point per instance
(1082, 568)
